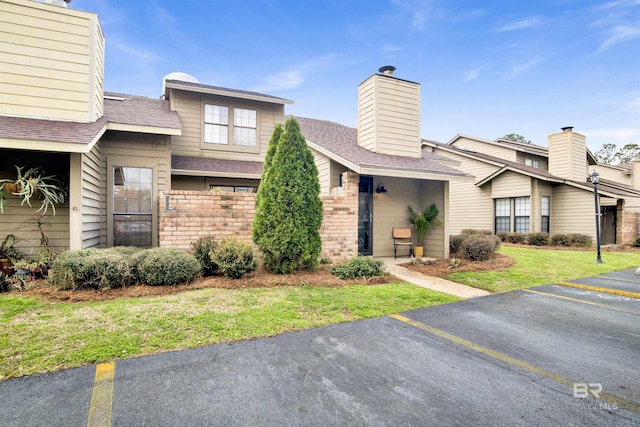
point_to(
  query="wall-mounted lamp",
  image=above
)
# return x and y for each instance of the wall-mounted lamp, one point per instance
(381, 189)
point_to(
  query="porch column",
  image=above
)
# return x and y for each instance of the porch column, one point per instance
(75, 201)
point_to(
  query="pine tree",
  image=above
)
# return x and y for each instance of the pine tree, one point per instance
(288, 206)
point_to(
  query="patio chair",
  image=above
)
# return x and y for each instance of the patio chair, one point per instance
(401, 237)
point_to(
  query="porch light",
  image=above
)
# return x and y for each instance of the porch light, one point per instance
(595, 178)
(381, 189)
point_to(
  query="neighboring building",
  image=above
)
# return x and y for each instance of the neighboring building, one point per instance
(528, 188)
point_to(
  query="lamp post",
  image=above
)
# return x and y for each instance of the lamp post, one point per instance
(595, 177)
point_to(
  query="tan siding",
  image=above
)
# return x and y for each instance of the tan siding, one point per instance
(510, 184)
(92, 200)
(390, 210)
(568, 155)
(138, 150)
(323, 163)
(189, 107)
(435, 242)
(612, 174)
(487, 148)
(470, 206)
(49, 62)
(389, 116)
(367, 115)
(336, 171)
(572, 211)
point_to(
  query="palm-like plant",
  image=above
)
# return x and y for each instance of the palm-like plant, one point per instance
(424, 221)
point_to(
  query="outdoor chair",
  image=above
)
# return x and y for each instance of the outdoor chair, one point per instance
(401, 237)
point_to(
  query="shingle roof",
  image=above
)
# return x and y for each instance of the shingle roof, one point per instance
(343, 141)
(50, 130)
(199, 87)
(130, 110)
(605, 186)
(215, 165)
(140, 111)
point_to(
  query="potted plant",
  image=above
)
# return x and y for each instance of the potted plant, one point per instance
(8, 254)
(33, 183)
(423, 222)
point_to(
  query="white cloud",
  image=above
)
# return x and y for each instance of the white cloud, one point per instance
(619, 34)
(296, 75)
(534, 21)
(389, 48)
(618, 135)
(420, 12)
(134, 51)
(470, 75)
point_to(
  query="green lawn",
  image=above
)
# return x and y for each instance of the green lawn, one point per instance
(542, 266)
(43, 337)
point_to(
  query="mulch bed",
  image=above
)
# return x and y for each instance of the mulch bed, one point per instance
(442, 267)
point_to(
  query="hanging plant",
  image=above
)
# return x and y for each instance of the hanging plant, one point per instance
(49, 190)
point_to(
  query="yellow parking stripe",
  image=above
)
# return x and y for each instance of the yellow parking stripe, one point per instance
(601, 290)
(609, 307)
(102, 396)
(621, 403)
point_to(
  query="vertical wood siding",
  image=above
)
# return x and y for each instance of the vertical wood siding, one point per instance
(92, 199)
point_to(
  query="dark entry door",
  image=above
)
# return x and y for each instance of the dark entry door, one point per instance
(365, 215)
(608, 224)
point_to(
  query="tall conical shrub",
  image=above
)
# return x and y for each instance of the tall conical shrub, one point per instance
(288, 206)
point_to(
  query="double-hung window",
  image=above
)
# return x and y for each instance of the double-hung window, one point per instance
(503, 215)
(532, 162)
(545, 206)
(230, 126)
(522, 214)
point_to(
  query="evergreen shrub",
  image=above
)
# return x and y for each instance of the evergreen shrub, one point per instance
(516, 238)
(538, 239)
(234, 258)
(560, 240)
(359, 267)
(165, 266)
(580, 240)
(479, 247)
(201, 250)
(90, 268)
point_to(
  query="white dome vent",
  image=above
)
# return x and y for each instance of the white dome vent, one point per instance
(177, 75)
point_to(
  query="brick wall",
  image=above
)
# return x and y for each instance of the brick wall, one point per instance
(628, 225)
(194, 214)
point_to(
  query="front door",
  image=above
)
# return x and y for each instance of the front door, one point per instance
(132, 206)
(365, 216)
(608, 224)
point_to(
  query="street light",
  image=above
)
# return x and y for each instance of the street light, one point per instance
(595, 177)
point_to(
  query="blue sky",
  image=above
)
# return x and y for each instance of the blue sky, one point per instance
(486, 68)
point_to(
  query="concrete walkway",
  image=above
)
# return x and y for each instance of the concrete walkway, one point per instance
(429, 282)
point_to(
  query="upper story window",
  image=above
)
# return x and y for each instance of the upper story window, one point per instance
(240, 129)
(532, 162)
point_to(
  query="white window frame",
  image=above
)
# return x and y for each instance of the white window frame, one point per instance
(237, 131)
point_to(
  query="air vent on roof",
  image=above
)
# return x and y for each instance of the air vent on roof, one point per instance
(566, 128)
(114, 98)
(177, 75)
(387, 70)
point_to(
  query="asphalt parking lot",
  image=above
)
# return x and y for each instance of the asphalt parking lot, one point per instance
(551, 355)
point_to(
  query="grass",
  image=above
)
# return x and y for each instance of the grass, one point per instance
(44, 337)
(536, 267)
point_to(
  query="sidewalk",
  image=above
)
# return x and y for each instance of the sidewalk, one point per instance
(429, 282)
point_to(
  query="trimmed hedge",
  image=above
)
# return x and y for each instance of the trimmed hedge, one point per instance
(538, 239)
(473, 231)
(637, 242)
(234, 258)
(165, 266)
(517, 238)
(478, 247)
(201, 250)
(560, 240)
(455, 243)
(580, 240)
(359, 267)
(90, 268)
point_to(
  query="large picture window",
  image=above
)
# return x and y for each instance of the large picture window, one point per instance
(545, 211)
(522, 214)
(240, 129)
(503, 215)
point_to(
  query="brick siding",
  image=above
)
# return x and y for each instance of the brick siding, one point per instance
(194, 214)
